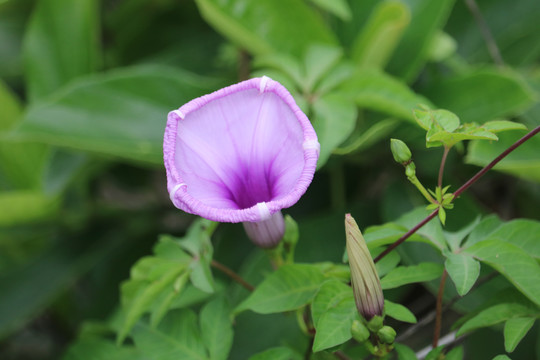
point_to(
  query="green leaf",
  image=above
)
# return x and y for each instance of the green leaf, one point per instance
(435, 353)
(380, 235)
(465, 132)
(318, 60)
(523, 162)
(387, 263)
(488, 224)
(285, 63)
(339, 8)
(398, 312)
(511, 261)
(431, 231)
(482, 95)
(11, 108)
(138, 295)
(455, 354)
(120, 113)
(522, 233)
(403, 275)
(454, 239)
(197, 242)
(216, 328)
(277, 353)
(331, 293)
(334, 120)
(379, 37)
(263, 27)
(169, 248)
(494, 315)
(177, 337)
(61, 44)
(98, 349)
(21, 163)
(427, 17)
(29, 289)
(289, 288)
(502, 357)
(375, 90)
(369, 137)
(514, 330)
(201, 275)
(334, 325)
(26, 206)
(164, 301)
(496, 126)
(404, 352)
(463, 270)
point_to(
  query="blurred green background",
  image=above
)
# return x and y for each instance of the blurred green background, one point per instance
(85, 87)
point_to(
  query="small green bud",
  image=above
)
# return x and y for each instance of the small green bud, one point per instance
(410, 170)
(365, 281)
(387, 334)
(359, 332)
(400, 151)
(375, 324)
(291, 231)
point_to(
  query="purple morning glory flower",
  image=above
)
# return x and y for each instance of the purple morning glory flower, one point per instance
(241, 154)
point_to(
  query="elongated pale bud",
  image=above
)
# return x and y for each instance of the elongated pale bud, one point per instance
(364, 279)
(266, 233)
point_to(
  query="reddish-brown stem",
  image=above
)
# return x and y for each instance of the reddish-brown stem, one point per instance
(441, 168)
(407, 235)
(495, 161)
(438, 316)
(232, 275)
(460, 191)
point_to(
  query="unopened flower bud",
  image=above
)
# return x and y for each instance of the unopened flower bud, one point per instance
(400, 151)
(364, 279)
(375, 324)
(387, 334)
(410, 170)
(359, 332)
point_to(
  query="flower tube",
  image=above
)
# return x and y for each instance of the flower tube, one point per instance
(241, 154)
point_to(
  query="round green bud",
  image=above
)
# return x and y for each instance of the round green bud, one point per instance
(375, 324)
(387, 334)
(410, 170)
(359, 332)
(400, 151)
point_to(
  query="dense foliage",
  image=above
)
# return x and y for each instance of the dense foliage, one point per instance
(96, 263)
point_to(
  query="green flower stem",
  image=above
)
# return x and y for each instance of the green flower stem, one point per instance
(414, 180)
(459, 191)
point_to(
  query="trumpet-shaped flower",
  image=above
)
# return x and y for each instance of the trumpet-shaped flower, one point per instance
(241, 154)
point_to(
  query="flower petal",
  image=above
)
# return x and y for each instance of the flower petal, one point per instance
(238, 147)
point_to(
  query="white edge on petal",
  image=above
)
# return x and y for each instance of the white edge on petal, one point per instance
(264, 212)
